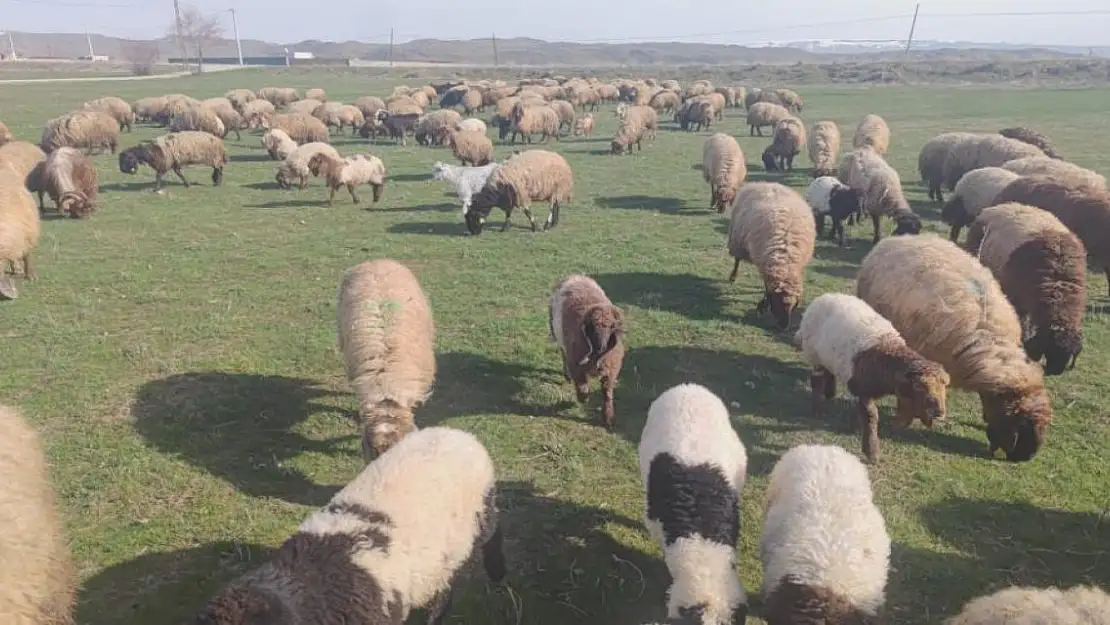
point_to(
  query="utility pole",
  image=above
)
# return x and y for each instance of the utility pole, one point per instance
(88, 39)
(913, 26)
(180, 41)
(495, 62)
(391, 46)
(235, 29)
(11, 44)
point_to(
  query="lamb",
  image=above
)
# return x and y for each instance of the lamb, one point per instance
(842, 338)
(824, 148)
(22, 156)
(772, 227)
(584, 125)
(787, 142)
(951, 310)
(257, 113)
(295, 165)
(763, 114)
(374, 553)
(531, 176)
(1042, 268)
(471, 124)
(387, 335)
(90, 130)
(825, 548)
(467, 180)
(1054, 168)
(174, 151)
(116, 107)
(881, 190)
(724, 168)
(199, 118)
(316, 94)
(974, 192)
(872, 133)
(471, 148)
(530, 120)
(693, 468)
(1024, 605)
(1084, 210)
(983, 151)
(588, 329)
(38, 580)
(19, 228)
(70, 178)
(1033, 138)
(300, 127)
(350, 172)
(830, 197)
(279, 96)
(5, 134)
(930, 162)
(278, 144)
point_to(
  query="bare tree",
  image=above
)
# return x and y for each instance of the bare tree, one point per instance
(198, 29)
(142, 55)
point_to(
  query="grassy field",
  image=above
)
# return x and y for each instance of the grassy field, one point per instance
(179, 355)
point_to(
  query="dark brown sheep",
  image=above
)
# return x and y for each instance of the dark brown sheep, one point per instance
(588, 329)
(1032, 137)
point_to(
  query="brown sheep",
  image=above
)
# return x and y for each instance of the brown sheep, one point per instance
(116, 107)
(787, 142)
(174, 151)
(530, 176)
(300, 127)
(70, 179)
(529, 120)
(1032, 137)
(471, 148)
(588, 329)
(22, 156)
(90, 130)
(350, 172)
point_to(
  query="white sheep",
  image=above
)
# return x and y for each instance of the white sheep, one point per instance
(693, 467)
(467, 180)
(1023, 605)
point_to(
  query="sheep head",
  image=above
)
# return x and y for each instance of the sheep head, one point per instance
(602, 328)
(316, 163)
(76, 204)
(481, 205)
(241, 606)
(781, 303)
(845, 200)
(130, 158)
(906, 223)
(1017, 421)
(1058, 345)
(954, 212)
(723, 197)
(769, 160)
(922, 393)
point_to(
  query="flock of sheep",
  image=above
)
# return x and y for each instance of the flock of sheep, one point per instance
(1015, 295)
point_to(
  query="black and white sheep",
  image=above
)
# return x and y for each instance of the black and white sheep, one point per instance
(830, 197)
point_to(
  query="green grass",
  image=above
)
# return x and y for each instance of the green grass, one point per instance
(178, 353)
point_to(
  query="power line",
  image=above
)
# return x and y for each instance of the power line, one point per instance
(69, 3)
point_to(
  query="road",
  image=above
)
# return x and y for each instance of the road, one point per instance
(207, 69)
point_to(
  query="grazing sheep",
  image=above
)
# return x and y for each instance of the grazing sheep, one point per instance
(530, 176)
(374, 553)
(300, 127)
(70, 179)
(824, 148)
(435, 127)
(5, 134)
(881, 190)
(723, 166)
(930, 162)
(348, 115)
(396, 125)
(693, 468)
(201, 119)
(763, 114)
(983, 151)
(792, 101)
(370, 105)
(295, 166)
(228, 114)
(787, 141)
(830, 197)
(1032, 137)
(471, 124)
(471, 148)
(584, 125)
(843, 339)
(825, 548)
(149, 109)
(240, 97)
(530, 120)
(754, 95)
(695, 115)
(1054, 168)
(565, 111)
(588, 329)
(472, 101)
(467, 180)
(19, 228)
(278, 144)
(308, 107)
(279, 96)
(89, 130)
(22, 156)
(951, 310)
(350, 172)
(116, 107)
(403, 106)
(38, 581)
(665, 102)
(176, 104)
(1042, 268)
(1084, 210)
(773, 228)
(630, 132)
(872, 133)
(257, 113)
(974, 192)
(316, 94)
(176, 150)
(386, 334)
(1025, 605)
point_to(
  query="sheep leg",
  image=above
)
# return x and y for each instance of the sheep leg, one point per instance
(354, 196)
(581, 385)
(869, 413)
(838, 230)
(493, 556)
(822, 386)
(532, 220)
(552, 217)
(735, 270)
(331, 195)
(28, 270)
(607, 411)
(438, 606)
(875, 220)
(508, 216)
(180, 174)
(42, 205)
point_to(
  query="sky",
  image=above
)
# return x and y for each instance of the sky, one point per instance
(1071, 22)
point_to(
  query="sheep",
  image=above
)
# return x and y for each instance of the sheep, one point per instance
(763, 114)
(788, 138)
(825, 547)
(974, 192)
(466, 180)
(350, 172)
(278, 144)
(70, 178)
(116, 107)
(1042, 268)
(630, 132)
(1054, 168)
(471, 148)
(584, 125)
(375, 553)
(308, 106)
(91, 130)
(824, 148)
(754, 95)
(723, 166)
(565, 111)
(19, 228)
(830, 197)
(386, 335)
(201, 119)
(257, 113)
(370, 105)
(403, 106)
(148, 109)
(694, 115)
(1034, 138)
(842, 338)
(471, 124)
(588, 329)
(5, 134)
(872, 133)
(339, 115)
(1024, 605)
(435, 127)
(300, 127)
(295, 165)
(316, 94)
(530, 176)
(396, 125)
(240, 97)
(38, 580)
(951, 310)
(176, 150)
(530, 120)
(226, 111)
(983, 151)
(693, 467)
(881, 191)
(279, 96)
(930, 162)
(176, 104)
(792, 101)
(22, 156)
(1084, 210)
(665, 102)
(772, 227)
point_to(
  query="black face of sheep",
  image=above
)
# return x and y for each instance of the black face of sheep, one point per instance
(907, 224)
(129, 160)
(781, 306)
(769, 162)
(1058, 346)
(217, 176)
(476, 220)
(1017, 424)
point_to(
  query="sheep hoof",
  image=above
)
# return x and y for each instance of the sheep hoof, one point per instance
(7, 288)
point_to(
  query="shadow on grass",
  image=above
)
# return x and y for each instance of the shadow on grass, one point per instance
(239, 427)
(269, 185)
(409, 177)
(437, 228)
(468, 383)
(251, 158)
(844, 272)
(294, 203)
(439, 208)
(926, 209)
(165, 587)
(135, 186)
(669, 205)
(684, 294)
(912, 569)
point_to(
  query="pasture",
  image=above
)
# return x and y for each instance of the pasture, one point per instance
(179, 356)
